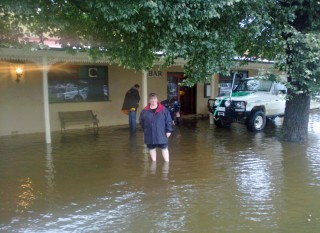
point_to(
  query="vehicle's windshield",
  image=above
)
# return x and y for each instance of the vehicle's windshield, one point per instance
(254, 85)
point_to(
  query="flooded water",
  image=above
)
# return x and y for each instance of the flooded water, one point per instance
(218, 180)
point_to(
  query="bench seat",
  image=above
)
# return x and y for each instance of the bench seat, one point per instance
(78, 117)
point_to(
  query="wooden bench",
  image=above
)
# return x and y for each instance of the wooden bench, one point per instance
(78, 117)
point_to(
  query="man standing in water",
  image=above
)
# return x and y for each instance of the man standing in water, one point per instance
(156, 123)
(130, 105)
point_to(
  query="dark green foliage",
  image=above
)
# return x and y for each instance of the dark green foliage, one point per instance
(208, 34)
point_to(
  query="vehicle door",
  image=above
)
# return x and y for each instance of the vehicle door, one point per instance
(277, 99)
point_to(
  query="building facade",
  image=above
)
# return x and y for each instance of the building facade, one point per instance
(53, 81)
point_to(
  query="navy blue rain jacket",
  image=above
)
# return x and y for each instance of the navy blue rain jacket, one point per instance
(155, 125)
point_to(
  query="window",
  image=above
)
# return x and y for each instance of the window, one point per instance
(255, 85)
(225, 82)
(173, 86)
(207, 90)
(76, 83)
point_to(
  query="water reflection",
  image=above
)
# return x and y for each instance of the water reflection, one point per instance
(153, 167)
(50, 175)
(313, 149)
(217, 181)
(165, 169)
(314, 125)
(50, 168)
(300, 199)
(26, 195)
(314, 160)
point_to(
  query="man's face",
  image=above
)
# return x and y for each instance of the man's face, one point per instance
(153, 100)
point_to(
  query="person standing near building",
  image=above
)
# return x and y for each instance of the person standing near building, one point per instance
(156, 123)
(173, 105)
(130, 106)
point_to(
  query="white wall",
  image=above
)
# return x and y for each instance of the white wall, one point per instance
(21, 106)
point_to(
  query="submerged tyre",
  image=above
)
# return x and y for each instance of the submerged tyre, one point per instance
(257, 121)
(222, 123)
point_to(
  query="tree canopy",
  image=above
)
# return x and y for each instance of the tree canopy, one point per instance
(208, 34)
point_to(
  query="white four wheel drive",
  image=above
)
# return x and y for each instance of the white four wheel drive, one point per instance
(253, 102)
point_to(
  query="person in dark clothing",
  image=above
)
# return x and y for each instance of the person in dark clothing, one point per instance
(156, 123)
(167, 104)
(130, 106)
(176, 109)
(173, 105)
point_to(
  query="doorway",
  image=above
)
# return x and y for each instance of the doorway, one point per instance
(186, 95)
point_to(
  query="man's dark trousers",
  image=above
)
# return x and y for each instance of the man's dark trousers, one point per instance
(132, 121)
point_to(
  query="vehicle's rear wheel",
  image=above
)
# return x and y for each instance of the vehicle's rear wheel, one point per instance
(222, 123)
(257, 121)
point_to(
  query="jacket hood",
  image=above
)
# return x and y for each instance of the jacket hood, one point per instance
(159, 109)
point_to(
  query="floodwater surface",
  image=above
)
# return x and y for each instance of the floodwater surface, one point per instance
(218, 180)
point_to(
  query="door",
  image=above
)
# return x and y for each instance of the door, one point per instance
(186, 95)
(278, 99)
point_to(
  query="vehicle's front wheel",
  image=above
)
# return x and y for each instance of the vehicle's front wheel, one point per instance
(222, 123)
(257, 121)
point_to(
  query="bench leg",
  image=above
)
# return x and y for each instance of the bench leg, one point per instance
(95, 129)
(63, 131)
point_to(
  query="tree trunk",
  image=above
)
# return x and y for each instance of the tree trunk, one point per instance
(296, 118)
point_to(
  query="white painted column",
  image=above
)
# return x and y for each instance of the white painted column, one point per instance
(144, 88)
(211, 95)
(46, 99)
(50, 169)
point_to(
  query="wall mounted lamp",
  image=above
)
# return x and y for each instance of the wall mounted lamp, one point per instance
(19, 73)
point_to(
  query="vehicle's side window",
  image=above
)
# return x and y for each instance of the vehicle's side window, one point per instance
(280, 89)
(252, 85)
